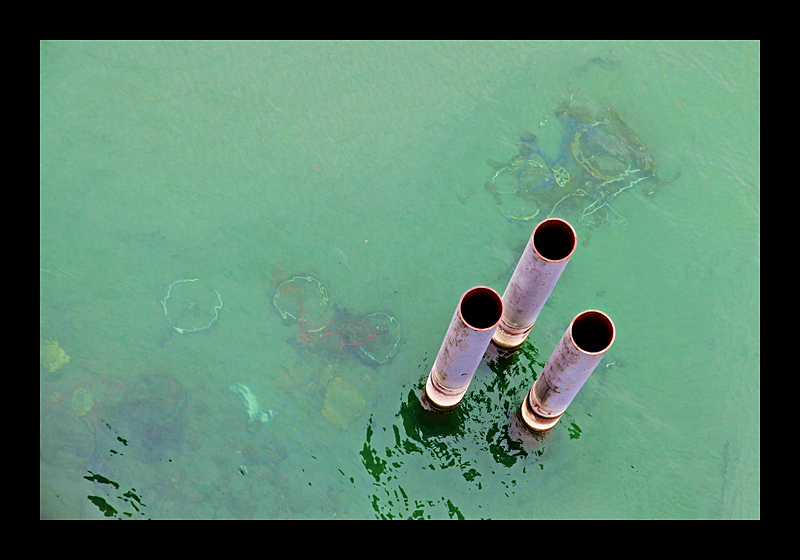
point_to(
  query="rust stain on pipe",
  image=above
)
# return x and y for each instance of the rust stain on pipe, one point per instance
(474, 322)
(588, 338)
(545, 257)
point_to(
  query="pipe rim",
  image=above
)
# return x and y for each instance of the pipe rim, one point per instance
(560, 226)
(597, 321)
(492, 299)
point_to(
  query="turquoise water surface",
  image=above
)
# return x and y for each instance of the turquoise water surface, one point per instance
(363, 166)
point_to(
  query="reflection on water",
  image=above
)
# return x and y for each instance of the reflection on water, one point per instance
(477, 442)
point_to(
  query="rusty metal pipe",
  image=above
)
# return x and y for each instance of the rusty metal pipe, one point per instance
(583, 345)
(539, 268)
(468, 336)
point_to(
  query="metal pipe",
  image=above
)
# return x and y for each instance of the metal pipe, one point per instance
(583, 345)
(468, 336)
(539, 268)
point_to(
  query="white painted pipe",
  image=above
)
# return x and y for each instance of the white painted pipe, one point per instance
(583, 345)
(464, 345)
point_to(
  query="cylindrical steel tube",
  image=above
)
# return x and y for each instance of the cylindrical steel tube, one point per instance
(539, 268)
(467, 338)
(586, 341)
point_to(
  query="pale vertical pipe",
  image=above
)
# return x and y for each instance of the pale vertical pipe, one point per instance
(474, 322)
(539, 268)
(586, 341)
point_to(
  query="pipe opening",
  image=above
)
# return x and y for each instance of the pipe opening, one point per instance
(592, 331)
(481, 308)
(554, 239)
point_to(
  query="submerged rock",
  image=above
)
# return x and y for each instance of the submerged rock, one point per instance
(51, 356)
(342, 403)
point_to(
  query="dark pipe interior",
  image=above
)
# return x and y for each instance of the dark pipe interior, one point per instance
(554, 240)
(481, 308)
(592, 331)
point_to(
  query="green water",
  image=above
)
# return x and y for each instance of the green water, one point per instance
(364, 165)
